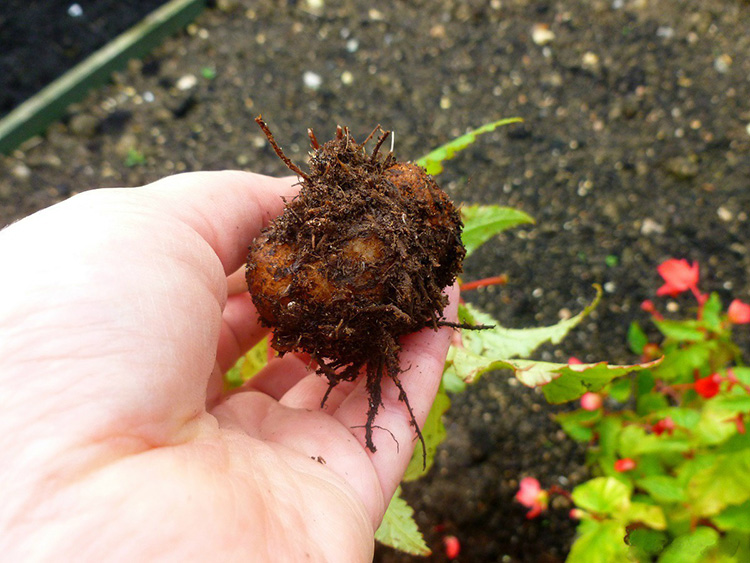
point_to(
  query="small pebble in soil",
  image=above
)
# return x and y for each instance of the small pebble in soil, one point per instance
(541, 34)
(186, 82)
(75, 11)
(312, 80)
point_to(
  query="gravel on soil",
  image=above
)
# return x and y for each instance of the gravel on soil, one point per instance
(634, 149)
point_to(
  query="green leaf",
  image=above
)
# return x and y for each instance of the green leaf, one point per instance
(504, 343)
(599, 542)
(452, 382)
(433, 432)
(723, 484)
(735, 517)
(644, 382)
(742, 373)
(716, 424)
(569, 382)
(486, 350)
(662, 488)
(648, 514)
(712, 312)
(680, 365)
(603, 495)
(433, 161)
(637, 338)
(493, 349)
(248, 365)
(649, 542)
(733, 547)
(681, 331)
(635, 441)
(648, 466)
(681, 416)
(690, 548)
(650, 403)
(482, 222)
(609, 436)
(693, 466)
(579, 424)
(621, 389)
(736, 443)
(255, 360)
(399, 530)
(732, 404)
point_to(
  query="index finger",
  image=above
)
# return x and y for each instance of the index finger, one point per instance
(422, 358)
(227, 209)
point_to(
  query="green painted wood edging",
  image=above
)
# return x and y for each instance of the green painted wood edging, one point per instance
(38, 112)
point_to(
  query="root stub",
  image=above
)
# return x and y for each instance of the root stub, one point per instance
(358, 259)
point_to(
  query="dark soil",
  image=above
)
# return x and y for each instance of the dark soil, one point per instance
(357, 260)
(40, 40)
(634, 149)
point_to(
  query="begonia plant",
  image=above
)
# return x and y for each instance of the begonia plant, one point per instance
(668, 448)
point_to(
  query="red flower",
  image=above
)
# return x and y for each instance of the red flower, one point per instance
(664, 425)
(679, 276)
(707, 387)
(573, 361)
(591, 401)
(624, 464)
(531, 495)
(738, 312)
(452, 546)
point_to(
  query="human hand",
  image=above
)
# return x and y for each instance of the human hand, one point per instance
(119, 314)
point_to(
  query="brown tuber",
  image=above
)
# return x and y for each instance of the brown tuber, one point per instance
(358, 259)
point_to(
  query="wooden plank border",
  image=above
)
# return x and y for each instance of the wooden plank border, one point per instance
(35, 114)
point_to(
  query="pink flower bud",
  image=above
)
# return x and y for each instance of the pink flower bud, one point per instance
(591, 401)
(738, 312)
(452, 546)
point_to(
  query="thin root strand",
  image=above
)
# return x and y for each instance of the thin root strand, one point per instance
(313, 139)
(280, 153)
(402, 397)
(380, 142)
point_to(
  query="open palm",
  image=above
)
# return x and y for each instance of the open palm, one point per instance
(119, 314)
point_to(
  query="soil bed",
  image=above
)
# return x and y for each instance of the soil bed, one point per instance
(633, 150)
(40, 41)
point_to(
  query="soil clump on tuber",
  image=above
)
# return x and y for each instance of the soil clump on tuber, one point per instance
(357, 260)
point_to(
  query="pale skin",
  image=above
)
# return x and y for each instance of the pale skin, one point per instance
(120, 311)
